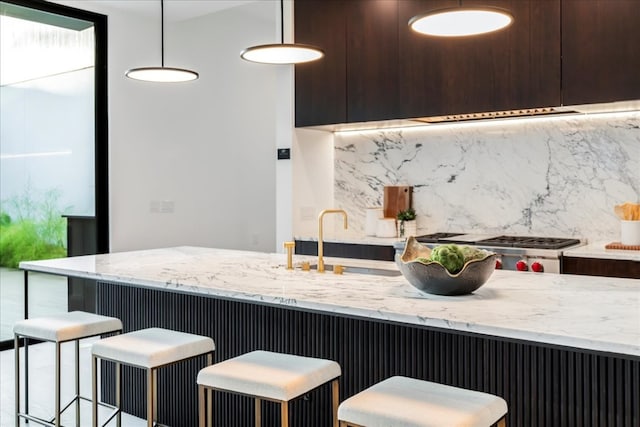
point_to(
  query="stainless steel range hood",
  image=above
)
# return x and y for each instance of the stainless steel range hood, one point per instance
(565, 111)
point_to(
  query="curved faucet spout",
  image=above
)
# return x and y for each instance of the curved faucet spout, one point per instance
(320, 232)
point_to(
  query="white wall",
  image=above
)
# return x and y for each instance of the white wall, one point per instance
(208, 146)
(284, 134)
(313, 182)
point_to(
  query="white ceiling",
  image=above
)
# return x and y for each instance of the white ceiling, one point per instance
(174, 10)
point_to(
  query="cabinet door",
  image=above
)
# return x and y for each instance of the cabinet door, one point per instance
(372, 60)
(601, 267)
(321, 85)
(600, 51)
(517, 67)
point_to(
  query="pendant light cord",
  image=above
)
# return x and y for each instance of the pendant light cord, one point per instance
(281, 21)
(162, 33)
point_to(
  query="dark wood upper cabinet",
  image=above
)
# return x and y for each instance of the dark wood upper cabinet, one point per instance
(600, 51)
(517, 67)
(372, 60)
(557, 52)
(321, 86)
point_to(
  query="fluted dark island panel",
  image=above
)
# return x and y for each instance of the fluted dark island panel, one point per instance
(543, 385)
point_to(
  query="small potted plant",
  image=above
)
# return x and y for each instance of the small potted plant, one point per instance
(407, 225)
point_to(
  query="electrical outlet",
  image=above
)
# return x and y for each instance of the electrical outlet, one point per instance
(167, 206)
(162, 206)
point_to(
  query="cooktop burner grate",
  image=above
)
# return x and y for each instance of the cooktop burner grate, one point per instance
(528, 242)
(523, 242)
(436, 237)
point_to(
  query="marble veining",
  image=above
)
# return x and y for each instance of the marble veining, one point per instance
(594, 313)
(550, 177)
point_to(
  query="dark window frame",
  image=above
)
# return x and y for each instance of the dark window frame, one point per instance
(101, 137)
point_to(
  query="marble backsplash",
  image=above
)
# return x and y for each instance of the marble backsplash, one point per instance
(546, 176)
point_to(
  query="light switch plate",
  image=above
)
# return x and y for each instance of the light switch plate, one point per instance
(284, 153)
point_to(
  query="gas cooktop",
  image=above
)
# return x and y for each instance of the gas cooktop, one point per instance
(529, 242)
(525, 242)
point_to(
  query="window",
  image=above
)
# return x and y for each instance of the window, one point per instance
(53, 145)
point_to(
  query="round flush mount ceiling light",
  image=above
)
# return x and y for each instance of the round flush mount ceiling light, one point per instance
(162, 74)
(282, 53)
(459, 21)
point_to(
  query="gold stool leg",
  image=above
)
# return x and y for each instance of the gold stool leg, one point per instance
(335, 397)
(210, 394)
(502, 422)
(284, 414)
(150, 397)
(201, 403)
(258, 406)
(155, 395)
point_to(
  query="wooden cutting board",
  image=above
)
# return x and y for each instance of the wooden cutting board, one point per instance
(396, 198)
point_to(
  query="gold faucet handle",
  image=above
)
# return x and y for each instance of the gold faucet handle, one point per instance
(306, 266)
(338, 269)
(289, 247)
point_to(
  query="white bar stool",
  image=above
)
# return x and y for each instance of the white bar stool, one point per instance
(58, 328)
(270, 376)
(148, 349)
(408, 402)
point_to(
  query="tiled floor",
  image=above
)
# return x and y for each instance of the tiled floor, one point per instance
(41, 380)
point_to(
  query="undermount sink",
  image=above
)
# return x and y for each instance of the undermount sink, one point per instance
(361, 270)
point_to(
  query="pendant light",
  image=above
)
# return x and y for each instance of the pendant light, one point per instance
(161, 74)
(461, 21)
(282, 53)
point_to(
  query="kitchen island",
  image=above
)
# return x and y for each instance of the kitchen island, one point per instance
(561, 349)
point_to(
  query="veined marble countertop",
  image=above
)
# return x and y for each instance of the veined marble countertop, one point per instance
(597, 250)
(594, 313)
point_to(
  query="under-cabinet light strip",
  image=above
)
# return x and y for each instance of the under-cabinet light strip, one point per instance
(498, 121)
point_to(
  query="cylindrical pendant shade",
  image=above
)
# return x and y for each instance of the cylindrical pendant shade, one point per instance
(457, 22)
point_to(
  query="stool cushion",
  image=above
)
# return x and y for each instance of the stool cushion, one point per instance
(153, 347)
(408, 402)
(67, 326)
(269, 375)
